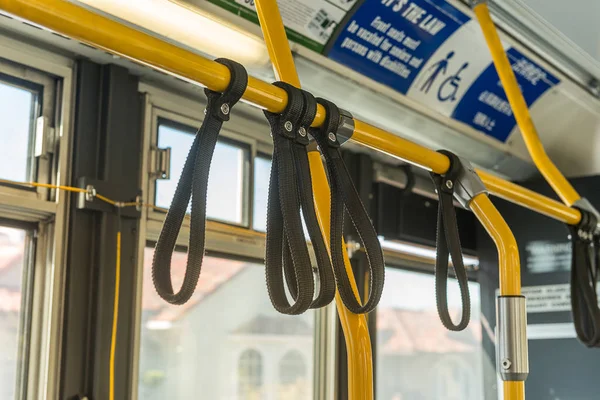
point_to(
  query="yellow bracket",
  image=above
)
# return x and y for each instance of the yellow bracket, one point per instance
(559, 183)
(355, 327)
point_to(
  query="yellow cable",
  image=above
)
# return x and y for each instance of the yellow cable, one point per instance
(44, 185)
(106, 199)
(113, 339)
(60, 187)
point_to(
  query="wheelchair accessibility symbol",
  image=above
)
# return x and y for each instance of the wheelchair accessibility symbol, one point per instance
(449, 86)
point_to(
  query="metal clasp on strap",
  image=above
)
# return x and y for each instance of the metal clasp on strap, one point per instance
(585, 205)
(468, 184)
(346, 127)
(461, 180)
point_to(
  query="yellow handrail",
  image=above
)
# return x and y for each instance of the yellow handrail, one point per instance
(354, 326)
(99, 31)
(555, 178)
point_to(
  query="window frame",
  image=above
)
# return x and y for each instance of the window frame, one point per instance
(250, 356)
(44, 89)
(42, 211)
(185, 124)
(172, 111)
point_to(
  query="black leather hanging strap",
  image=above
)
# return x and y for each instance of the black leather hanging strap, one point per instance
(584, 278)
(448, 244)
(345, 198)
(193, 184)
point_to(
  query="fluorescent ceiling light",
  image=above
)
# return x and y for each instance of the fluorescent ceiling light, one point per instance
(420, 251)
(190, 27)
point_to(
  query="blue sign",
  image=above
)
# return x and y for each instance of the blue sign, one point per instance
(391, 40)
(485, 106)
(422, 49)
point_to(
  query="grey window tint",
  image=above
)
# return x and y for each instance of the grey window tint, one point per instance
(208, 348)
(12, 314)
(225, 200)
(262, 171)
(417, 358)
(17, 114)
(292, 368)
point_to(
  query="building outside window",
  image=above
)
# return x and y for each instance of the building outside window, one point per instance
(250, 375)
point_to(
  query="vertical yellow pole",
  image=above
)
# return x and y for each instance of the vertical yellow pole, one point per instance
(508, 263)
(559, 183)
(355, 328)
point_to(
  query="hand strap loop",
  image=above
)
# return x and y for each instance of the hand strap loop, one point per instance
(193, 184)
(345, 199)
(448, 244)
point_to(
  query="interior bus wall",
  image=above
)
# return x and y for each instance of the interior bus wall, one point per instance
(107, 150)
(545, 253)
(413, 218)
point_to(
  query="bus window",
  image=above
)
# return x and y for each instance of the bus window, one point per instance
(417, 357)
(227, 342)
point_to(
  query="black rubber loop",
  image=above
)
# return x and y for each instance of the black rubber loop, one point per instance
(193, 184)
(345, 198)
(584, 278)
(448, 244)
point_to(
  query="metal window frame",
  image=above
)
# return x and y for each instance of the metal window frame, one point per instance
(232, 134)
(44, 88)
(44, 209)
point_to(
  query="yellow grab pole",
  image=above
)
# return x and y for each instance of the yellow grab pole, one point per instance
(276, 39)
(354, 327)
(559, 183)
(99, 31)
(529, 199)
(383, 141)
(514, 390)
(508, 264)
(508, 252)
